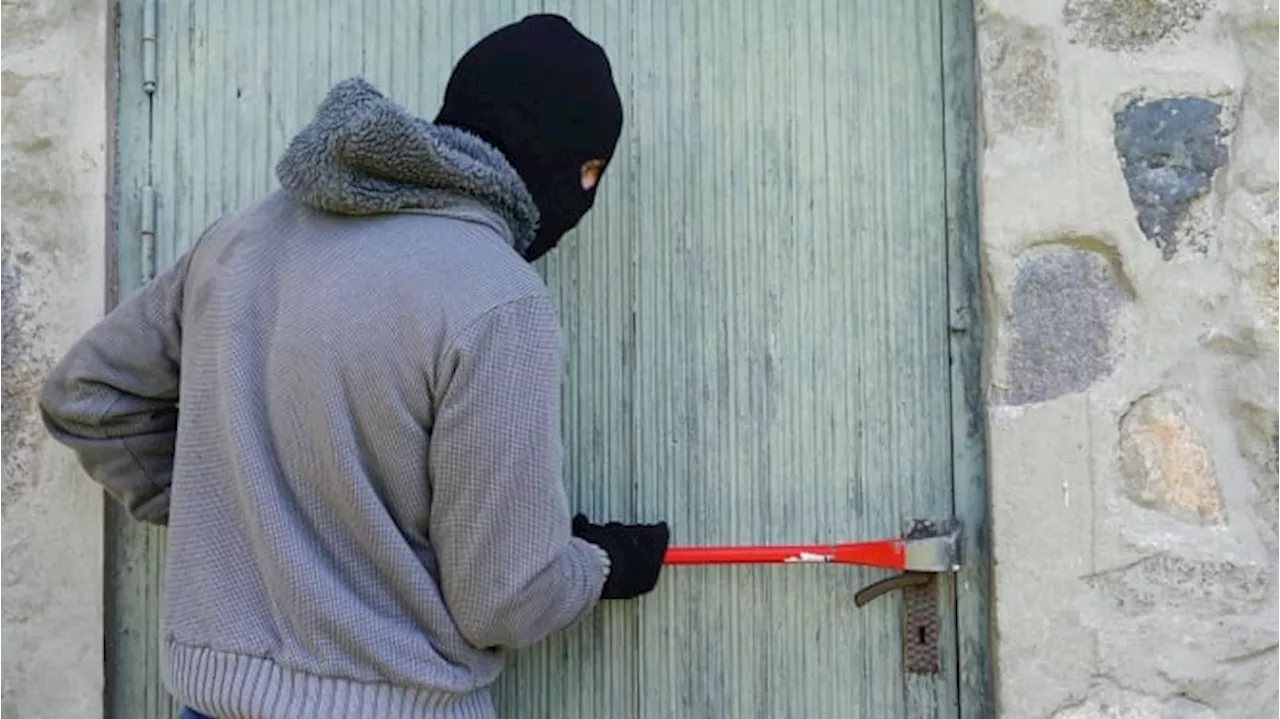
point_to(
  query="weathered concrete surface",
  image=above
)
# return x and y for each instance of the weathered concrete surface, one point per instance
(1110, 703)
(53, 248)
(1133, 360)
(1043, 508)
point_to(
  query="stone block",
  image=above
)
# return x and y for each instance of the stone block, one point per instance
(1165, 463)
(1169, 151)
(1132, 705)
(1258, 51)
(1019, 78)
(1265, 279)
(1065, 299)
(1129, 24)
(1166, 582)
(1258, 434)
(19, 379)
(1224, 663)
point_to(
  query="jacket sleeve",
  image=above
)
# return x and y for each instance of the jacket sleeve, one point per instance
(113, 398)
(499, 520)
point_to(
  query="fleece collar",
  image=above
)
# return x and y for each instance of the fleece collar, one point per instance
(363, 154)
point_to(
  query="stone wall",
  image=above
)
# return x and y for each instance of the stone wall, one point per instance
(54, 99)
(1129, 248)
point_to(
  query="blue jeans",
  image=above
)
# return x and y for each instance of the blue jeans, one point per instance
(188, 713)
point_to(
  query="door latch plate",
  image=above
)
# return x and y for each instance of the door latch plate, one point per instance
(920, 622)
(921, 625)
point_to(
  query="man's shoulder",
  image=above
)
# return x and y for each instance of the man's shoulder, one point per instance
(476, 260)
(465, 270)
(452, 265)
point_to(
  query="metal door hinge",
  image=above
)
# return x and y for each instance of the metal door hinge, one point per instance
(147, 233)
(149, 11)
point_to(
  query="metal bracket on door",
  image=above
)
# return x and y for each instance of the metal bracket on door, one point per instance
(920, 617)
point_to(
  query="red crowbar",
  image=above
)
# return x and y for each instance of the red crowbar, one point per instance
(937, 552)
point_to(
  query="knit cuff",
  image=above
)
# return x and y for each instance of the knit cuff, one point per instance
(604, 559)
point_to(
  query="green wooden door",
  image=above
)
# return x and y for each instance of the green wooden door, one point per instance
(770, 317)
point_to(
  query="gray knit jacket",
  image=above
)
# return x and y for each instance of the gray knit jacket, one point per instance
(344, 402)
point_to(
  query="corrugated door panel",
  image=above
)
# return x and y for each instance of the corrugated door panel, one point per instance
(756, 316)
(791, 373)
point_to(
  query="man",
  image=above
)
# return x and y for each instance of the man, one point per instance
(362, 482)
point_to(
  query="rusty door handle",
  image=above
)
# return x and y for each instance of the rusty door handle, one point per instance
(884, 586)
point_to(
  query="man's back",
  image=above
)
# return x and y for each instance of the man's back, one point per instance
(363, 486)
(312, 357)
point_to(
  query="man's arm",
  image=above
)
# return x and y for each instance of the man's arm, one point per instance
(499, 521)
(113, 398)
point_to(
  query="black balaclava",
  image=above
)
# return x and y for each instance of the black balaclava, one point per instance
(543, 94)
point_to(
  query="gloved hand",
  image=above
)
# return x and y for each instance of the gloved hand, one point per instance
(635, 554)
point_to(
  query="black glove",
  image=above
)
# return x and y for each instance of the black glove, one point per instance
(635, 554)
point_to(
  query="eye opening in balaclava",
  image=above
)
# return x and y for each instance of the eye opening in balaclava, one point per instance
(543, 94)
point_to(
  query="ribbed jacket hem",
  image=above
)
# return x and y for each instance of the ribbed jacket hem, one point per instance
(235, 686)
